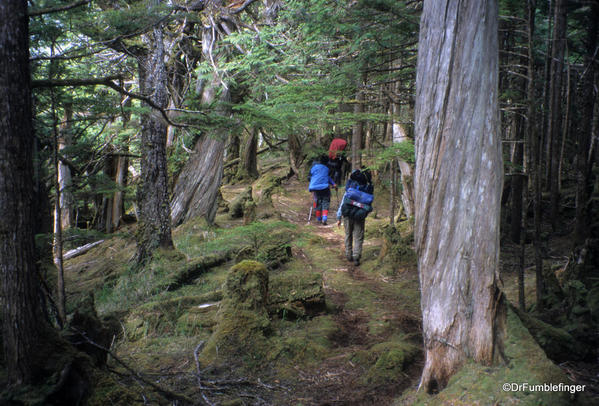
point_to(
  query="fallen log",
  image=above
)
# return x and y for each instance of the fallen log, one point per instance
(81, 250)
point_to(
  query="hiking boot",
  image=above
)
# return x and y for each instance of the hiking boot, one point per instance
(324, 223)
(357, 261)
(349, 258)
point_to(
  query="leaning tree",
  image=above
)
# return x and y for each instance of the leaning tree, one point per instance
(458, 186)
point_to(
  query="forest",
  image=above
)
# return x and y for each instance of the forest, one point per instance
(165, 239)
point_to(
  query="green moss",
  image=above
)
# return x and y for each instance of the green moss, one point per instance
(109, 391)
(476, 384)
(296, 294)
(242, 319)
(392, 359)
(557, 342)
(303, 342)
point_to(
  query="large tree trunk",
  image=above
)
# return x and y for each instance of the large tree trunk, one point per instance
(458, 187)
(196, 191)
(29, 342)
(154, 227)
(555, 106)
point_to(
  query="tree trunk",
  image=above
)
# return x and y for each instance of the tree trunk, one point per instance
(104, 222)
(120, 178)
(407, 177)
(24, 325)
(295, 154)
(154, 227)
(535, 144)
(61, 303)
(196, 191)
(65, 178)
(358, 129)
(458, 187)
(544, 139)
(517, 179)
(584, 135)
(555, 106)
(248, 166)
(121, 172)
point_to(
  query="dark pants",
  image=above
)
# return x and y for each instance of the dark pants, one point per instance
(322, 199)
(354, 237)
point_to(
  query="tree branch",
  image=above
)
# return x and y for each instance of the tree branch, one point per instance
(242, 7)
(107, 81)
(34, 13)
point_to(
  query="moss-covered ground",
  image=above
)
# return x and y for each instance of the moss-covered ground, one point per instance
(329, 333)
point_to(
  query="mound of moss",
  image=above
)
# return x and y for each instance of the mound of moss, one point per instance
(477, 384)
(242, 319)
(294, 295)
(387, 361)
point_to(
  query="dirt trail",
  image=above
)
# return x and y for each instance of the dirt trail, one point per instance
(337, 380)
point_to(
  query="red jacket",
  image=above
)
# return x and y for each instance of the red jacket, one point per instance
(338, 144)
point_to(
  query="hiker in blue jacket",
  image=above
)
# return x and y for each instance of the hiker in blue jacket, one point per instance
(353, 209)
(319, 186)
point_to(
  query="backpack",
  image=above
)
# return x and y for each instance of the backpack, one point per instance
(358, 196)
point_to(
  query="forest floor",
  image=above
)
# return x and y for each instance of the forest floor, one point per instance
(363, 346)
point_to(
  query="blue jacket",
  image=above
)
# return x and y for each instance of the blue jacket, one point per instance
(319, 178)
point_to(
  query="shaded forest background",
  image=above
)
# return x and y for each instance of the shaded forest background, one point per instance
(229, 80)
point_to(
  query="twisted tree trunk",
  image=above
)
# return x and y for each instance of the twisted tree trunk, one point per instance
(196, 191)
(458, 187)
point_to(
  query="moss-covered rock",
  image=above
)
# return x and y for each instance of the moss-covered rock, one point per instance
(296, 294)
(242, 319)
(169, 316)
(388, 361)
(236, 207)
(397, 248)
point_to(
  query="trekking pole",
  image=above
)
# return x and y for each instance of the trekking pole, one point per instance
(312, 204)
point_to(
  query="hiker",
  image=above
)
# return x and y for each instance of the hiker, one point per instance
(319, 186)
(353, 209)
(337, 160)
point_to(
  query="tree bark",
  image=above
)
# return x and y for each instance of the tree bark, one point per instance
(121, 171)
(535, 144)
(25, 329)
(296, 154)
(65, 178)
(196, 191)
(248, 167)
(458, 187)
(407, 177)
(154, 227)
(584, 135)
(555, 106)
(358, 129)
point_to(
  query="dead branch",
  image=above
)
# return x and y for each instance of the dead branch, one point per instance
(81, 250)
(136, 375)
